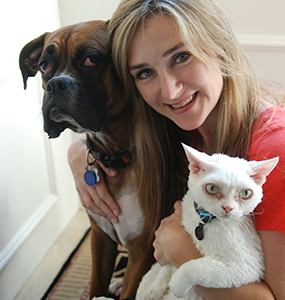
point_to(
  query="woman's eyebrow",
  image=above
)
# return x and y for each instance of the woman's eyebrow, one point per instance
(171, 50)
(136, 67)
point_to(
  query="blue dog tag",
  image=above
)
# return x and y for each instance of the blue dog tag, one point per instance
(91, 177)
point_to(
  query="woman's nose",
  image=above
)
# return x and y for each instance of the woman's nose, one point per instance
(170, 86)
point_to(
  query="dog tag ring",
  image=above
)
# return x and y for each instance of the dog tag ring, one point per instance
(91, 176)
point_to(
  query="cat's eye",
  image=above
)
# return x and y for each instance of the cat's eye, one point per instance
(246, 194)
(211, 189)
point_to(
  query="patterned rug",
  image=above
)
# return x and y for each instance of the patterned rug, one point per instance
(73, 280)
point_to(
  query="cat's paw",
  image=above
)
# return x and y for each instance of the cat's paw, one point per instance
(179, 286)
(154, 284)
(153, 293)
(151, 290)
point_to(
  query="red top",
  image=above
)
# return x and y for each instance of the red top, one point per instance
(268, 141)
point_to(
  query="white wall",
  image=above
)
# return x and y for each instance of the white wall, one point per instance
(260, 26)
(74, 11)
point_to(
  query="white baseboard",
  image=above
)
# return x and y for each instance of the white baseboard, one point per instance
(16, 242)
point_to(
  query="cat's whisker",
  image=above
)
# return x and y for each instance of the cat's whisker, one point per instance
(247, 224)
(257, 212)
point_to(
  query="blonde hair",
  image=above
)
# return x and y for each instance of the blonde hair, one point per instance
(207, 34)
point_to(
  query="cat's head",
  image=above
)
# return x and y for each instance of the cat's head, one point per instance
(225, 186)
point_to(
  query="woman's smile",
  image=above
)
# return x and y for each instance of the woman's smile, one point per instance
(183, 103)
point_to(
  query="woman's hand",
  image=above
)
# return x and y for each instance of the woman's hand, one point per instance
(173, 245)
(96, 198)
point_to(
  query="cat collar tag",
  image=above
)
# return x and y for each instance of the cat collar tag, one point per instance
(205, 217)
(199, 232)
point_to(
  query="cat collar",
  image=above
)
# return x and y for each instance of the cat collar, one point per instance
(205, 217)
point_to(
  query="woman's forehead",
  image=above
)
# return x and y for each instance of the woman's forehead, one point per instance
(158, 33)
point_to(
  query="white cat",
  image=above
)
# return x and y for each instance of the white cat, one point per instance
(223, 191)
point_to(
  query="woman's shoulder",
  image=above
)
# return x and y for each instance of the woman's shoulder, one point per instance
(268, 134)
(271, 122)
(268, 141)
(270, 119)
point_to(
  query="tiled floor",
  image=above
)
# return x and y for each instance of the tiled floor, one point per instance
(52, 263)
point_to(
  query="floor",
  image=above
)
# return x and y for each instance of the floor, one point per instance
(52, 263)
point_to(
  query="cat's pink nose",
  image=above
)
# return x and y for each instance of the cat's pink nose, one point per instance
(227, 209)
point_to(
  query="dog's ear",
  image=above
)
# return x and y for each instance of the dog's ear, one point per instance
(29, 58)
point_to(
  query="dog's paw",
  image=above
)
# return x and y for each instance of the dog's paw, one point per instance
(102, 298)
(115, 286)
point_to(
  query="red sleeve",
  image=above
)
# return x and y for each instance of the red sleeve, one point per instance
(268, 141)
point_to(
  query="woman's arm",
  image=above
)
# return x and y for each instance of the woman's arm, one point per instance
(254, 291)
(97, 198)
(174, 245)
(273, 244)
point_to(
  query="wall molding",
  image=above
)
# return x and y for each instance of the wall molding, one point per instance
(262, 42)
(8, 77)
(26, 230)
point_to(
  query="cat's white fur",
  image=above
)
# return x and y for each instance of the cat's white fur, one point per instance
(231, 249)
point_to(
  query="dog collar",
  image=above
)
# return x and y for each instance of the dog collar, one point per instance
(205, 217)
(119, 160)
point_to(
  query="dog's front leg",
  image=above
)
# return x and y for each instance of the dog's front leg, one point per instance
(104, 252)
(140, 259)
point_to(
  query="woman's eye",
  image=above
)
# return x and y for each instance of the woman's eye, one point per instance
(44, 67)
(211, 189)
(246, 194)
(181, 57)
(90, 61)
(144, 74)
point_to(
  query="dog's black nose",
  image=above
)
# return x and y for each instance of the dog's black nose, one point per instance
(58, 84)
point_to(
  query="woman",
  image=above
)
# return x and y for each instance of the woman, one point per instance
(181, 62)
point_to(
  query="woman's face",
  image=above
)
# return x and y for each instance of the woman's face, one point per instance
(171, 80)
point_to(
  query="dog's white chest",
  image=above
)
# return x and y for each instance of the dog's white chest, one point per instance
(131, 220)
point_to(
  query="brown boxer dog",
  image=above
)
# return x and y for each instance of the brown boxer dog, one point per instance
(82, 92)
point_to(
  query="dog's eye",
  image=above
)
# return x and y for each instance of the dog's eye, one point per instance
(44, 67)
(90, 61)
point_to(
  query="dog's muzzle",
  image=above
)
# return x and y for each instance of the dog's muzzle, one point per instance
(66, 104)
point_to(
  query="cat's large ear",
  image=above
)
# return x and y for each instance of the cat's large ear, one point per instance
(197, 160)
(261, 169)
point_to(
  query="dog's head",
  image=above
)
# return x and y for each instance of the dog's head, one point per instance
(80, 84)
